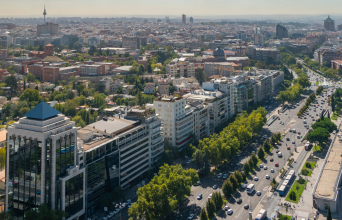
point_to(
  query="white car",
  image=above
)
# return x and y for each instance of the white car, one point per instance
(191, 216)
(209, 197)
(261, 166)
(265, 167)
(230, 211)
(256, 178)
(267, 176)
(226, 208)
(258, 193)
(272, 171)
(244, 186)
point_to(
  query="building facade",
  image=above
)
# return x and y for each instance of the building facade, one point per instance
(329, 24)
(42, 167)
(281, 32)
(263, 53)
(132, 43)
(185, 69)
(47, 28)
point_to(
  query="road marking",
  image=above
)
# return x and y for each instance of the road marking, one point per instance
(265, 188)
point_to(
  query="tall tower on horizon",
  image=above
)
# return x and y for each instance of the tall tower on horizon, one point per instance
(44, 14)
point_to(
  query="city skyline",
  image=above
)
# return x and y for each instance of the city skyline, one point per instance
(157, 8)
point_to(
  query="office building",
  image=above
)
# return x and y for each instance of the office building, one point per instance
(4, 54)
(93, 41)
(132, 43)
(191, 20)
(281, 32)
(183, 19)
(42, 165)
(263, 53)
(211, 69)
(329, 24)
(118, 151)
(163, 87)
(47, 28)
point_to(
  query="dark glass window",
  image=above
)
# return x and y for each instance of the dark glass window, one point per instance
(74, 195)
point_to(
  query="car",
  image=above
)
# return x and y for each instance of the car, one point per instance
(299, 132)
(316, 114)
(258, 193)
(288, 147)
(272, 170)
(38, 192)
(239, 201)
(238, 164)
(271, 159)
(219, 176)
(305, 125)
(276, 164)
(199, 196)
(265, 136)
(215, 187)
(265, 167)
(191, 216)
(261, 166)
(246, 206)
(226, 208)
(285, 113)
(256, 178)
(279, 143)
(304, 117)
(210, 195)
(244, 186)
(287, 139)
(129, 201)
(267, 176)
(283, 123)
(280, 122)
(313, 119)
(277, 151)
(230, 211)
(293, 142)
(225, 176)
(290, 130)
(189, 161)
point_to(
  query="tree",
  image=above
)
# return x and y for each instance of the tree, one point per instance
(217, 199)
(329, 217)
(210, 206)
(200, 75)
(198, 159)
(6, 215)
(238, 176)
(227, 188)
(319, 134)
(203, 215)
(292, 195)
(140, 101)
(31, 77)
(304, 81)
(261, 153)
(99, 100)
(254, 158)
(251, 164)
(30, 95)
(11, 81)
(44, 213)
(246, 168)
(266, 146)
(234, 182)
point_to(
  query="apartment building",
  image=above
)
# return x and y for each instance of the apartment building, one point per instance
(263, 53)
(327, 54)
(259, 39)
(118, 151)
(262, 87)
(4, 54)
(163, 87)
(132, 43)
(185, 69)
(220, 105)
(150, 88)
(46, 140)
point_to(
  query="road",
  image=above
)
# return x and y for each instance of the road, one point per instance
(291, 121)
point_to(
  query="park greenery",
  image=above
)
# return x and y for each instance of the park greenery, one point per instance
(308, 168)
(308, 102)
(296, 190)
(220, 147)
(163, 193)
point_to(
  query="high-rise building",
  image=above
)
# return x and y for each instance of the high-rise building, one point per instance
(281, 32)
(183, 19)
(132, 43)
(41, 166)
(259, 39)
(191, 20)
(329, 24)
(48, 28)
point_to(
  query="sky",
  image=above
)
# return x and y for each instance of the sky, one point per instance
(172, 8)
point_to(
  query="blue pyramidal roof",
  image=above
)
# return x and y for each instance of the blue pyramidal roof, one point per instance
(42, 111)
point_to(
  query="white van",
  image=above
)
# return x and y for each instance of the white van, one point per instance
(294, 130)
(280, 154)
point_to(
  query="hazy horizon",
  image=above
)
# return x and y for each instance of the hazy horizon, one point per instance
(174, 9)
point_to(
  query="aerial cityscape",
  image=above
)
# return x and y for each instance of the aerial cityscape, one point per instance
(189, 115)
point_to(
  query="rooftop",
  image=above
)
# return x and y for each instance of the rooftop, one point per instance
(331, 171)
(42, 111)
(111, 125)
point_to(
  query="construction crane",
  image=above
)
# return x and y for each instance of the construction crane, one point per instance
(228, 69)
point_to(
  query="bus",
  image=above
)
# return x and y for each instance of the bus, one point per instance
(250, 188)
(286, 183)
(261, 215)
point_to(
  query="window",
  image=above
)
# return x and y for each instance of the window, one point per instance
(81, 158)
